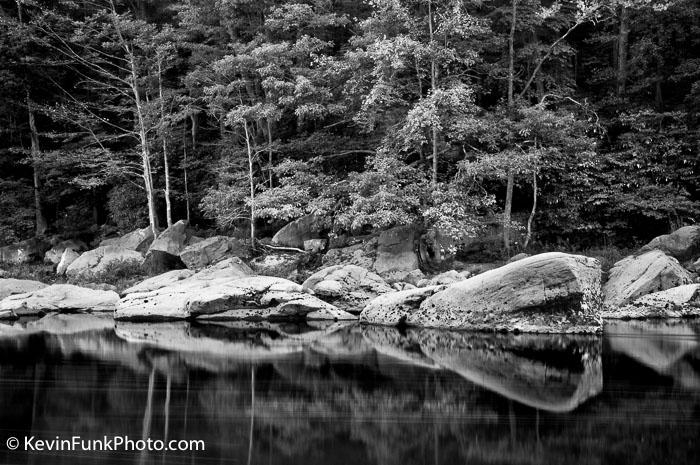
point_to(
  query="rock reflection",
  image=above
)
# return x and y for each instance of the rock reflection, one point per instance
(329, 393)
(670, 348)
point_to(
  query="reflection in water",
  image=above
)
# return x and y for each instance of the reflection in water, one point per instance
(344, 393)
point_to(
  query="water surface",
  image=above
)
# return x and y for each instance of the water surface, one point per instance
(350, 394)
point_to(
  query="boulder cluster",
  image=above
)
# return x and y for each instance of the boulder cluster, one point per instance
(377, 280)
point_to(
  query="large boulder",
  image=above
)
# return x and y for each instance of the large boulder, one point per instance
(60, 298)
(55, 253)
(393, 308)
(26, 251)
(396, 256)
(208, 251)
(683, 243)
(68, 257)
(549, 293)
(97, 261)
(635, 276)
(11, 286)
(157, 261)
(139, 240)
(676, 302)
(252, 297)
(361, 254)
(172, 240)
(231, 268)
(277, 264)
(295, 233)
(348, 286)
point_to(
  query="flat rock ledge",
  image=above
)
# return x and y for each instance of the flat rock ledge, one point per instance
(677, 302)
(239, 298)
(64, 298)
(546, 293)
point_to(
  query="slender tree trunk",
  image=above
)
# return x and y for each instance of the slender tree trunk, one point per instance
(184, 169)
(511, 52)
(252, 184)
(39, 217)
(622, 45)
(41, 223)
(163, 135)
(511, 175)
(534, 210)
(269, 145)
(195, 126)
(433, 86)
(145, 153)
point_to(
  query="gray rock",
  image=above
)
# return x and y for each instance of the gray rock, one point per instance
(55, 253)
(60, 298)
(172, 240)
(68, 257)
(94, 262)
(517, 257)
(362, 254)
(315, 245)
(208, 251)
(215, 292)
(676, 302)
(277, 264)
(295, 233)
(348, 286)
(139, 240)
(7, 315)
(549, 293)
(683, 243)
(11, 286)
(393, 308)
(635, 276)
(448, 277)
(157, 261)
(396, 256)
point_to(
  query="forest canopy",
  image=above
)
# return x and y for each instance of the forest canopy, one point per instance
(562, 121)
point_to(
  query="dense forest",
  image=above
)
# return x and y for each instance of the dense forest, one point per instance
(552, 121)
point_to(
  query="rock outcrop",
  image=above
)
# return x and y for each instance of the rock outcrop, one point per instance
(676, 302)
(60, 298)
(295, 233)
(139, 240)
(95, 262)
(215, 291)
(277, 264)
(683, 243)
(394, 308)
(348, 286)
(548, 293)
(11, 286)
(396, 256)
(635, 276)
(361, 254)
(209, 251)
(68, 257)
(55, 253)
(172, 240)
(448, 277)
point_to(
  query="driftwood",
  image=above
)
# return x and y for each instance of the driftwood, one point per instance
(291, 249)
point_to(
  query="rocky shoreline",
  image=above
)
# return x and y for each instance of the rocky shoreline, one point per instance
(546, 293)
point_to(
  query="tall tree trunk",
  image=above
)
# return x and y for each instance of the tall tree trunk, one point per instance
(534, 210)
(269, 153)
(252, 184)
(622, 45)
(184, 169)
(511, 175)
(194, 117)
(40, 218)
(163, 134)
(145, 152)
(433, 86)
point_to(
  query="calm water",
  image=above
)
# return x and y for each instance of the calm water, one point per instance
(350, 394)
